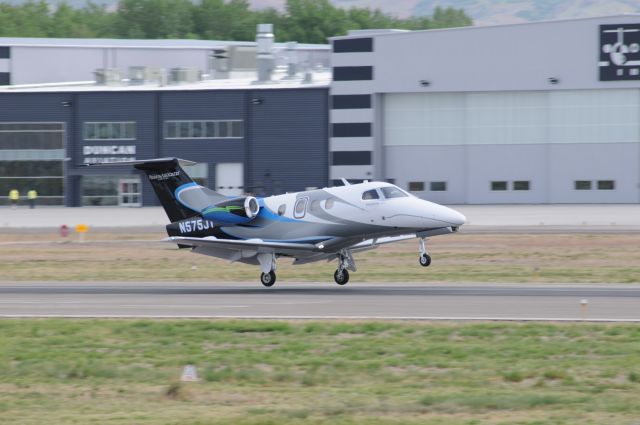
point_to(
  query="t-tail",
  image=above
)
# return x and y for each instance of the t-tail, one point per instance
(169, 181)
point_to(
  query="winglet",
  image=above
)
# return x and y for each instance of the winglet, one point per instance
(345, 181)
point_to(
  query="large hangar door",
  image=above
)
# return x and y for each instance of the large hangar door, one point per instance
(230, 178)
(423, 142)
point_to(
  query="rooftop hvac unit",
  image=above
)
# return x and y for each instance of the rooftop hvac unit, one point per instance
(108, 76)
(145, 74)
(185, 75)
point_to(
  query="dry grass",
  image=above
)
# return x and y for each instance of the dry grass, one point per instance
(606, 258)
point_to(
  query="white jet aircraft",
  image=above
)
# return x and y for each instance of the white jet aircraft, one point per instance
(307, 226)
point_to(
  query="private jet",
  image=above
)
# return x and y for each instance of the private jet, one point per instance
(314, 225)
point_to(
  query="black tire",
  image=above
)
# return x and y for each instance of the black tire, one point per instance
(425, 260)
(268, 279)
(341, 278)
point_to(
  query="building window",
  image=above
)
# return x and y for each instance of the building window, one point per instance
(438, 186)
(203, 129)
(352, 45)
(110, 130)
(606, 185)
(354, 129)
(498, 185)
(351, 101)
(582, 185)
(352, 73)
(521, 185)
(416, 186)
(351, 158)
(32, 157)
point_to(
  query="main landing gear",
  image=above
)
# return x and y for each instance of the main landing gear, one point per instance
(268, 267)
(268, 279)
(346, 263)
(425, 258)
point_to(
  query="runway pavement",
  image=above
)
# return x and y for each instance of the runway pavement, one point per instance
(322, 301)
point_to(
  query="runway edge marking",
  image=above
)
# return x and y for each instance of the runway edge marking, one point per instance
(391, 318)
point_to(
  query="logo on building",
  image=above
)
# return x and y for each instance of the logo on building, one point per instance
(619, 52)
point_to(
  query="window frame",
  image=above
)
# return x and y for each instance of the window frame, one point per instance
(494, 184)
(304, 200)
(208, 129)
(600, 183)
(377, 198)
(125, 132)
(433, 184)
(576, 184)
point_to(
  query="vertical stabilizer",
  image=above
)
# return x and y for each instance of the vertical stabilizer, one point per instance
(168, 180)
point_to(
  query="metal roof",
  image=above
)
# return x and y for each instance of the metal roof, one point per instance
(137, 43)
(240, 81)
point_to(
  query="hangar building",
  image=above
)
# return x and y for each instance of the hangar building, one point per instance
(262, 138)
(545, 112)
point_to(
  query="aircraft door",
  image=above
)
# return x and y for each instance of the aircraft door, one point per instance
(230, 178)
(129, 193)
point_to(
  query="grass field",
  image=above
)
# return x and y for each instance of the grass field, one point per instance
(126, 372)
(606, 258)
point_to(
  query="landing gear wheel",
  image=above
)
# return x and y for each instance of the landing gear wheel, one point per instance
(425, 260)
(341, 277)
(268, 279)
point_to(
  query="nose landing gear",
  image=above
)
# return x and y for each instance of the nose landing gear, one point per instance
(425, 258)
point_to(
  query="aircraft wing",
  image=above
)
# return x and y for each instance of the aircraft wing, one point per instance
(236, 250)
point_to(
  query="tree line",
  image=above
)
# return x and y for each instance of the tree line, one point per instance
(305, 21)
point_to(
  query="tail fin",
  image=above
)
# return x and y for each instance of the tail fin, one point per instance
(168, 179)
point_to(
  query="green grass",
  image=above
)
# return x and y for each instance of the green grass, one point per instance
(125, 371)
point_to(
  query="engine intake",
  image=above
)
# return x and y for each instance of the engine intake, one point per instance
(233, 211)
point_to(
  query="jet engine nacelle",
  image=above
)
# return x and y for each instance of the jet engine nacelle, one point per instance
(233, 211)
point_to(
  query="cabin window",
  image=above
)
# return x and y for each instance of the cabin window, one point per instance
(299, 209)
(315, 206)
(393, 192)
(328, 204)
(282, 209)
(370, 194)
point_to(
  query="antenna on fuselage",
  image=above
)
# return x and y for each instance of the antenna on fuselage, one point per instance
(345, 181)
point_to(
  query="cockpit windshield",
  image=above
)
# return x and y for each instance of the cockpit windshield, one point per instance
(393, 192)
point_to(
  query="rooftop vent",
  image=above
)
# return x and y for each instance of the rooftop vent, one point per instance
(108, 76)
(185, 75)
(139, 75)
(265, 58)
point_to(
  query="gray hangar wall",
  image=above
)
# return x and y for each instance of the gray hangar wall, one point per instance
(528, 113)
(280, 136)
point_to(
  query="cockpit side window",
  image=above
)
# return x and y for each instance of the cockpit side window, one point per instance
(370, 194)
(393, 192)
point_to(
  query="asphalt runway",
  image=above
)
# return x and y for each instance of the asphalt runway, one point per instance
(322, 301)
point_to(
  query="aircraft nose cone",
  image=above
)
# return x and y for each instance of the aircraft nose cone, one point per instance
(455, 218)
